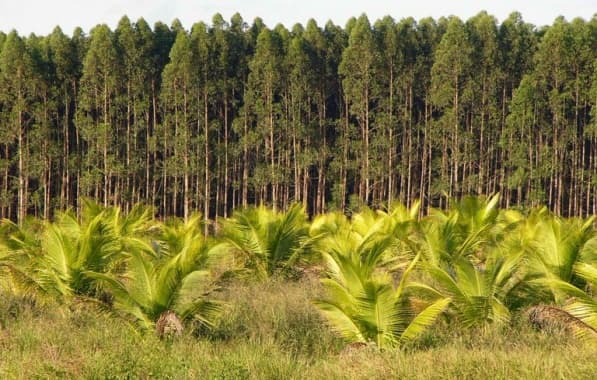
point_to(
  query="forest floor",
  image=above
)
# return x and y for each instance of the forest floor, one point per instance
(270, 331)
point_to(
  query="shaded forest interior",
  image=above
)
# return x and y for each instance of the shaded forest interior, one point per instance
(231, 114)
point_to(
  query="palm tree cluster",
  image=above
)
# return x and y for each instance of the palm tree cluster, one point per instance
(387, 276)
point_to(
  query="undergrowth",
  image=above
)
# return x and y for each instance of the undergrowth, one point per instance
(270, 330)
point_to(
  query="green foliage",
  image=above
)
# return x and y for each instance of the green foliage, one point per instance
(584, 306)
(470, 257)
(268, 241)
(56, 260)
(174, 276)
(465, 231)
(229, 114)
(388, 276)
(479, 294)
(362, 304)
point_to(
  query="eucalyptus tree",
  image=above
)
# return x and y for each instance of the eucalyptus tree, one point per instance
(402, 109)
(134, 44)
(551, 59)
(406, 98)
(428, 34)
(591, 133)
(239, 69)
(162, 41)
(80, 42)
(337, 41)
(482, 95)
(358, 83)
(178, 96)
(321, 86)
(16, 73)
(517, 45)
(562, 68)
(307, 113)
(387, 74)
(97, 113)
(298, 105)
(221, 59)
(449, 78)
(263, 88)
(43, 140)
(583, 45)
(124, 37)
(144, 111)
(67, 68)
(205, 88)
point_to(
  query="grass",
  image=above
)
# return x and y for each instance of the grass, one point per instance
(270, 331)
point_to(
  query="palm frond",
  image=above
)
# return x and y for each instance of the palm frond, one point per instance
(424, 320)
(341, 322)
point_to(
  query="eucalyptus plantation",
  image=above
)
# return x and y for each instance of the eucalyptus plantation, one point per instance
(231, 114)
(17, 73)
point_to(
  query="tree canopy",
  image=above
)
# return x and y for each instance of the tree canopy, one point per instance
(229, 114)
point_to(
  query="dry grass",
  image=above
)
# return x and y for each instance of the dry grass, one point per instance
(270, 331)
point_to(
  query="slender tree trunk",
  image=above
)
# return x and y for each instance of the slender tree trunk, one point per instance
(225, 193)
(22, 207)
(206, 197)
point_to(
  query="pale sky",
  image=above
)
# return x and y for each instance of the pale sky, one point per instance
(41, 16)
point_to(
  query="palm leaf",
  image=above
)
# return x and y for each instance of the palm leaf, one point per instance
(424, 319)
(341, 322)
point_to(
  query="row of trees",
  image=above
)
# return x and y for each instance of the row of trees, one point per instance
(231, 114)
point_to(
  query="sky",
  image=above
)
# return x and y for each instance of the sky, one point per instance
(41, 16)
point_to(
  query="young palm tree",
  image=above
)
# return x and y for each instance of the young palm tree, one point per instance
(479, 294)
(56, 260)
(362, 304)
(19, 246)
(557, 247)
(584, 305)
(395, 224)
(470, 257)
(469, 229)
(20, 240)
(579, 309)
(335, 232)
(173, 283)
(267, 241)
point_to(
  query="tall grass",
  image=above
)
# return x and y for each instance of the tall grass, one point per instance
(277, 313)
(270, 331)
